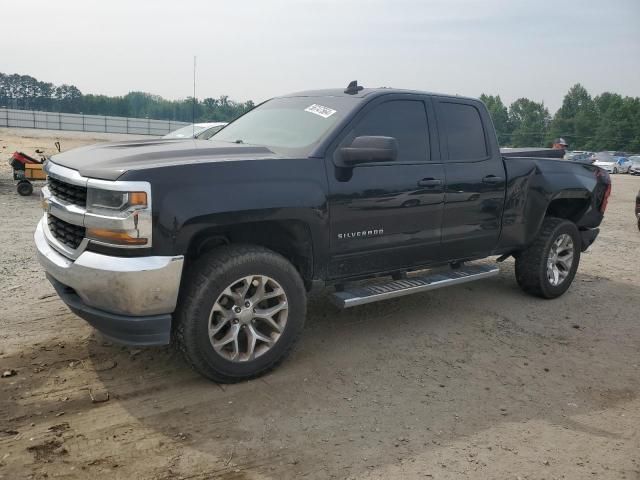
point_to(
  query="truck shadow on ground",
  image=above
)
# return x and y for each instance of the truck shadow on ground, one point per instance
(372, 385)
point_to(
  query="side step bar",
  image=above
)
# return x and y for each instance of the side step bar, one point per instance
(398, 288)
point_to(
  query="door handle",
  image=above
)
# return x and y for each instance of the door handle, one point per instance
(492, 179)
(429, 182)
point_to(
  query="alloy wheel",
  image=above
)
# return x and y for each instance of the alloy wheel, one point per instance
(248, 318)
(560, 259)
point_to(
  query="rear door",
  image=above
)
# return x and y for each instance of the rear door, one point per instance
(387, 216)
(475, 185)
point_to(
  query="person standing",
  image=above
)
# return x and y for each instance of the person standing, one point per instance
(560, 144)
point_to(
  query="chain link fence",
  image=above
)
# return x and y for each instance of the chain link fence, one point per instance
(85, 123)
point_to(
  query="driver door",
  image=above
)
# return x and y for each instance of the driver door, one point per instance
(387, 216)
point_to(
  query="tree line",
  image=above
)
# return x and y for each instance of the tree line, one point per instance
(27, 93)
(604, 122)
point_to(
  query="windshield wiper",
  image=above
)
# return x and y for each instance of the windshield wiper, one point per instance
(238, 141)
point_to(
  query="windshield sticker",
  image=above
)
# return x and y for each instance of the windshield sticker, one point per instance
(324, 112)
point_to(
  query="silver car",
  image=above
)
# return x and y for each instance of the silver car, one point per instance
(612, 164)
(635, 165)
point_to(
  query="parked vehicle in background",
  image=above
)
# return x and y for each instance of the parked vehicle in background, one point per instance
(216, 243)
(624, 164)
(579, 156)
(201, 131)
(610, 163)
(618, 153)
(634, 169)
(570, 154)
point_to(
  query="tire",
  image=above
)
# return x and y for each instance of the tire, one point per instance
(615, 170)
(24, 188)
(218, 272)
(531, 264)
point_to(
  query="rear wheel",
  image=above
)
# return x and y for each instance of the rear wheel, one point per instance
(615, 170)
(242, 311)
(547, 267)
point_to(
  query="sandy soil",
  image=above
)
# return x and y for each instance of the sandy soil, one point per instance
(476, 381)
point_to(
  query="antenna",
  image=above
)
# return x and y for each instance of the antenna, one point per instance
(353, 88)
(193, 109)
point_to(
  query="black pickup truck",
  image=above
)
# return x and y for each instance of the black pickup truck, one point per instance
(214, 244)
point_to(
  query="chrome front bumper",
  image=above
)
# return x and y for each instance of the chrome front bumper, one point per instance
(134, 286)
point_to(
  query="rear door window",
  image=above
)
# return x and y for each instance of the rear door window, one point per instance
(464, 132)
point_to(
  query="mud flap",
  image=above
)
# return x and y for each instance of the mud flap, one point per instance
(588, 237)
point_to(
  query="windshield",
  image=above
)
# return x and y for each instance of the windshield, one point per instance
(635, 160)
(290, 125)
(185, 132)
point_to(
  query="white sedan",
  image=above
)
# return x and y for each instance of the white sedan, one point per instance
(612, 164)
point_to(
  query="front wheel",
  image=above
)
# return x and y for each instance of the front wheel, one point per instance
(615, 170)
(547, 267)
(241, 312)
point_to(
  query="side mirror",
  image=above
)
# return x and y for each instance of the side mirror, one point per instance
(369, 149)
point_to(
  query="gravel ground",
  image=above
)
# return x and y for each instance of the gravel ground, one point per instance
(474, 381)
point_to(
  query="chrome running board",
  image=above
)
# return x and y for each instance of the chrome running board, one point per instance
(360, 295)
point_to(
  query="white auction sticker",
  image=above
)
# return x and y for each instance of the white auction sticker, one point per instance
(324, 112)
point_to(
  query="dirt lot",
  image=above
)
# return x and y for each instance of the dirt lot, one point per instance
(476, 381)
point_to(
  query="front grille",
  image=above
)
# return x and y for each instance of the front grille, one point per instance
(67, 233)
(68, 192)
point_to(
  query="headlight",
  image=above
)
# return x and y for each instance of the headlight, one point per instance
(119, 213)
(99, 200)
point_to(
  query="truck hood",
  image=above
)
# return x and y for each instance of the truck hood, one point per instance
(108, 161)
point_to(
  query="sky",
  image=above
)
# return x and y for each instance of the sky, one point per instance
(251, 49)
